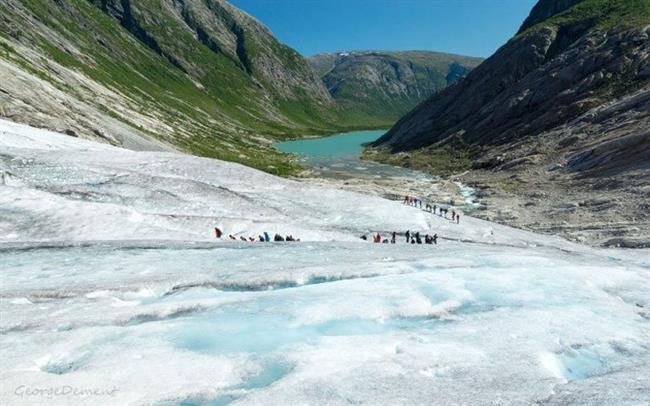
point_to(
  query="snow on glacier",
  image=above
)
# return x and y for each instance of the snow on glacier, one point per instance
(111, 278)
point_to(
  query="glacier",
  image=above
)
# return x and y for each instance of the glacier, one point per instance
(115, 291)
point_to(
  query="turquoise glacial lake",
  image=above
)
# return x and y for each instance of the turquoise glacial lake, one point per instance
(348, 144)
(338, 157)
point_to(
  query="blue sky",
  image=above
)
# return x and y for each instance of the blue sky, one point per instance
(467, 27)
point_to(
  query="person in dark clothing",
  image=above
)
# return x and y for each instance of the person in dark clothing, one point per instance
(435, 239)
(427, 239)
(261, 238)
(217, 232)
(251, 239)
(406, 200)
(457, 218)
(364, 238)
(392, 237)
(412, 240)
(408, 236)
(434, 209)
(385, 241)
(232, 237)
(417, 238)
(243, 238)
(278, 237)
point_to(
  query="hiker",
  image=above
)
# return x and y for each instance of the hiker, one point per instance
(420, 203)
(243, 238)
(417, 238)
(364, 237)
(377, 238)
(261, 238)
(217, 232)
(453, 215)
(457, 218)
(408, 236)
(232, 237)
(406, 200)
(435, 239)
(278, 237)
(267, 238)
(434, 209)
(392, 237)
(427, 239)
(385, 241)
(251, 239)
(412, 240)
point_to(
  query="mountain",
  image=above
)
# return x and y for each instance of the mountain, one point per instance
(199, 76)
(555, 125)
(386, 85)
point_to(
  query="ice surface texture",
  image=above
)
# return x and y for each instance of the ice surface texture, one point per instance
(111, 278)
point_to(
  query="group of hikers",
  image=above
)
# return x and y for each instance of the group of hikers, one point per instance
(416, 238)
(441, 211)
(264, 237)
(413, 238)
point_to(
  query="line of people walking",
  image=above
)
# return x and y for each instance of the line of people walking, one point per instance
(441, 211)
(411, 238)
(264, 237)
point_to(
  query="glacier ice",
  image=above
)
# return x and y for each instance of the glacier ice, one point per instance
(111, 279)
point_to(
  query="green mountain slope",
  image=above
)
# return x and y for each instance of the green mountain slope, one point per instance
(196, 75)
(386, 85)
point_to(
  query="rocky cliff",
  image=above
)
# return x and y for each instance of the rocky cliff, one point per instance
(196, 75)
(386, 85)
(560, 112)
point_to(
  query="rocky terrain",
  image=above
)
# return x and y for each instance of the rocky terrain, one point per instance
(555, 126)
(385, 84)
(193, 75)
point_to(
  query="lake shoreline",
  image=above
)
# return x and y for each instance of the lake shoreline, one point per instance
(335, 161)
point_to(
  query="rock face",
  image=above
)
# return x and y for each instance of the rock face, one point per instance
(563, 107)
(386, 85)
(195, 75)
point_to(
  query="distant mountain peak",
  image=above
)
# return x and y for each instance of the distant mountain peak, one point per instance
(386, 84)
(545, 9)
